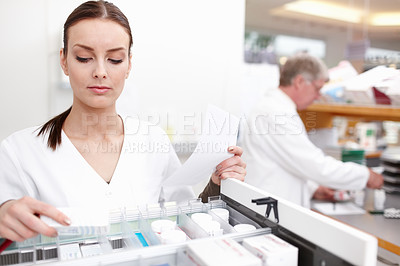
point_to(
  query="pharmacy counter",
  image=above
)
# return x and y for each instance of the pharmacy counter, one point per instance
(386, 230)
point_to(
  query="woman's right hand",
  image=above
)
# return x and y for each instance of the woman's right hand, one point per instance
(19, 219)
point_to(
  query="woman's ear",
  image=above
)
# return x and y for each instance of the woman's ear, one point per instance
(63, 62)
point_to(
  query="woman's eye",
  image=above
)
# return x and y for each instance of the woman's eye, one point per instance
(82, 59)
(115, 61)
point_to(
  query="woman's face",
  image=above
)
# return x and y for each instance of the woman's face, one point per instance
(97, 62)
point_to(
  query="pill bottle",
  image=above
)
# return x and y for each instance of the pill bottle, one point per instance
(173, 237)
(222, 213)
(359, 196)
(200, 217)
(213, 228)
(379, 199)
(163, 225)
(244, 228)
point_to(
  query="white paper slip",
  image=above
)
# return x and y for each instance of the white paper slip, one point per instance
(84, 221)
(70, 251)
(219, 131)
(342, 208)
(91, 250)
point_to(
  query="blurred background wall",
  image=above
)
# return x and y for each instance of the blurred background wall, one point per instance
(186, 54)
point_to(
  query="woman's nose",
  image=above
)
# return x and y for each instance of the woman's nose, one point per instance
(100, 71)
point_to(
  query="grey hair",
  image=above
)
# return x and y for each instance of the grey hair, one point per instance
(310, 67)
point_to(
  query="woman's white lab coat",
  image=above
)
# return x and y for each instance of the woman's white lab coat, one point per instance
(63, 178)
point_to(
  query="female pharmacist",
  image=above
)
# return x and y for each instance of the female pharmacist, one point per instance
(89, 155)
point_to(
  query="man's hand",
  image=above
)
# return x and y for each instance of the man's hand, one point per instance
(324, 193)
(375, 180)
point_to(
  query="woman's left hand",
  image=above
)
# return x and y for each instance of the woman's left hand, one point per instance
(233, 167)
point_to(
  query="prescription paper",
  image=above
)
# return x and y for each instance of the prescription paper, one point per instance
(219, 131)
(342, 208)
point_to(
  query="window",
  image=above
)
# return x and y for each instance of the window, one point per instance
(272, 49)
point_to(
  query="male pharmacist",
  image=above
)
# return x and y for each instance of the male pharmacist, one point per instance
(280, 157)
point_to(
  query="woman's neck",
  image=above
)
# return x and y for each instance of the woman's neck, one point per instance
(93, 123)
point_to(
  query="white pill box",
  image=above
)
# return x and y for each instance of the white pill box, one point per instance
(84, 221)
(217, 252)
(272, 250)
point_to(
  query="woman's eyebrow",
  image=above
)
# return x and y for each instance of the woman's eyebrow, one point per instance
(91, 49)
(84, 47)
(115, 49)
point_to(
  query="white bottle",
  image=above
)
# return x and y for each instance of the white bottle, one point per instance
(379, 199)
(359, 196)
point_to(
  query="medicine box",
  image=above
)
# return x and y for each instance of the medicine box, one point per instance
(272, 250)
(217, 252)
(84, 221)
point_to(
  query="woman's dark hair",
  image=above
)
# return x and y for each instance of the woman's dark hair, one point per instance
(87, 10)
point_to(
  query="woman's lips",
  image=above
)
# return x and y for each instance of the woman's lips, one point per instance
(99, 89)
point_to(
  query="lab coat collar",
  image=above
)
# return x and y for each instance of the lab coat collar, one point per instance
(289, 103)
